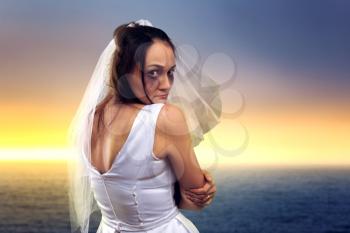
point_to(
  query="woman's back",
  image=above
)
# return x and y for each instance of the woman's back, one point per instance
(108, 140)
(136, 192)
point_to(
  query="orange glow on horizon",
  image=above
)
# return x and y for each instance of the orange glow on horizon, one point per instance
(295, 136)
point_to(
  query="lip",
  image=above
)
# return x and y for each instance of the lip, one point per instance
(163, 96)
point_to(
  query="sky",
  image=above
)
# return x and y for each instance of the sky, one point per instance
(288, 61)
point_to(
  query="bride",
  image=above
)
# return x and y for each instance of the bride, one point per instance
(138, 166)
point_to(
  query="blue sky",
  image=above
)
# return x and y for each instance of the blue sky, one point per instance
(311, 35)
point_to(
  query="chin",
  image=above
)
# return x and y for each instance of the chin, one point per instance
(160, 100)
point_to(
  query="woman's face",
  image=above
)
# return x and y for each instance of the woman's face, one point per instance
(158, 74)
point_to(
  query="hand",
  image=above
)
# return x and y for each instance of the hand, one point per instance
(202, 196)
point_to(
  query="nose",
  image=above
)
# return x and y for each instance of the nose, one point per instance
(165, 83)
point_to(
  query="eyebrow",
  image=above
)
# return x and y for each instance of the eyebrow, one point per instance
(160, 66)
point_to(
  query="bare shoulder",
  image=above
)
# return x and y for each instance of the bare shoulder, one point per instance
(179, 148)
(172, 120)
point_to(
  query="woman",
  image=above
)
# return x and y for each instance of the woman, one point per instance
(139, 145)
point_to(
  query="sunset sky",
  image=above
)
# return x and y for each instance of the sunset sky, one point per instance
(291, 58)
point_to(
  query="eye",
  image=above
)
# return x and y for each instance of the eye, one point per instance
(153, 73)
(171, 72)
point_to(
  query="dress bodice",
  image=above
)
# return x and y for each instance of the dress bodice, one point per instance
(136, 193)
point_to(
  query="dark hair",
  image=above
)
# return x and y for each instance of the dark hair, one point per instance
(132, 44)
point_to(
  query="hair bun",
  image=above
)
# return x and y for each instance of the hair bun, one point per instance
(141, 22)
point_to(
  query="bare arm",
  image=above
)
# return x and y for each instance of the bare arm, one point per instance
(180, 153)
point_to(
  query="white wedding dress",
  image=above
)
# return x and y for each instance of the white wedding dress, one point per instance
(136, 193)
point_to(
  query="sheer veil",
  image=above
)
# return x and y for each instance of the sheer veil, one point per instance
(197, 95)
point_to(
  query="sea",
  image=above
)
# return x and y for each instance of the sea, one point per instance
(249, 199)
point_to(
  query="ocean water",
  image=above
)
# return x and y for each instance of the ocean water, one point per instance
(33, 198)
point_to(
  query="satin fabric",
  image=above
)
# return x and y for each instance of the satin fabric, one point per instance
(136, 193)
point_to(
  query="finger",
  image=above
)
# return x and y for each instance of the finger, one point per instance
(207, 187)
(205, 203)
(195, 200)
(212, 190)
(202, 190)
(208, 197)
(208, 202)
(211, 193)
(208, 176)
(198, 195)
(204, 199)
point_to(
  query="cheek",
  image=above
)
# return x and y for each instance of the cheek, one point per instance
(151, 85)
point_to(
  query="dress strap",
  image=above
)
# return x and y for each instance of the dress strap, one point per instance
(155, 112)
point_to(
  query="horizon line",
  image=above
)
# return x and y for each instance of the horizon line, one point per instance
(61, 155)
